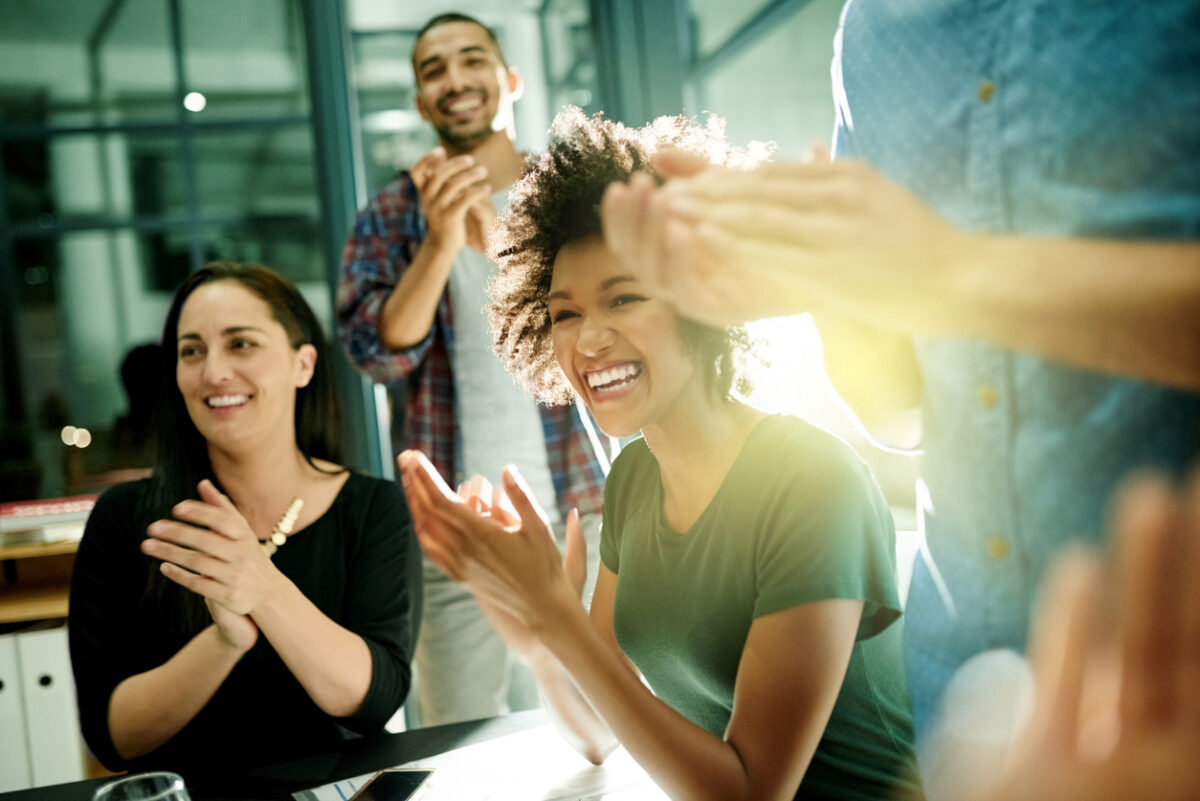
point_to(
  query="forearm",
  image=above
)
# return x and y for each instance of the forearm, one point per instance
(332, 663)
(685, 760)
(1130, 308)
(574, 717)
(148, 709)
(408, 312)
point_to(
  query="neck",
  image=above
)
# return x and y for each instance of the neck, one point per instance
(261, 481)
(496, 153)
(695, 451)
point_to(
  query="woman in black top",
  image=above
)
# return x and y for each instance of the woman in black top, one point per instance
(198, 644)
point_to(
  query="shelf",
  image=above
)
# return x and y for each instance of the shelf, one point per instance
(41, 600)
(35, 549)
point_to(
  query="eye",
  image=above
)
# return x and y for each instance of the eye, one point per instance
(562, 315)
(626, 299)
(188, 351)
(241, 343)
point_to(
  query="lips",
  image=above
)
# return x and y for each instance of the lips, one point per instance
(612, 377)
(226, 401)
(462, 103)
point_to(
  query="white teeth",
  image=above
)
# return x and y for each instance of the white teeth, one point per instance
(463, 105)
(612, 375)
(218, 401)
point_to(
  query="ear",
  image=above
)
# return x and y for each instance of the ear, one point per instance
(516, 84)
(306, 361)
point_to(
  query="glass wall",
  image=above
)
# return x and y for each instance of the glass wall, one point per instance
(138, 140)
(765, 68)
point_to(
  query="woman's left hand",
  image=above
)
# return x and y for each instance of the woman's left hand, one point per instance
(508, 561)
(210, 549)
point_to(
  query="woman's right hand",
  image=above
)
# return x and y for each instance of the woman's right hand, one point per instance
(236, 631)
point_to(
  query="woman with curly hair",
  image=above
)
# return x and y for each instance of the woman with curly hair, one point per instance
(748, 571)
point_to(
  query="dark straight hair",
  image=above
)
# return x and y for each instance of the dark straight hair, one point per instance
(182, 454)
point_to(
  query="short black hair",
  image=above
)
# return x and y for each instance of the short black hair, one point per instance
(446, 19)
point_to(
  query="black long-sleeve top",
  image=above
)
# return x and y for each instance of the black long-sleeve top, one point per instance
(359, 563)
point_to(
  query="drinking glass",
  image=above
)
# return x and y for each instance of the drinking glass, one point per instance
(160, 786)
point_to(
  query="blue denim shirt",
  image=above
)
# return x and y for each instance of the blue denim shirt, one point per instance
(1041, 117)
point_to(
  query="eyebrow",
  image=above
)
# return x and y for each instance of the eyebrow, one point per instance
(432, 59)
(607, 283)
(233, 329)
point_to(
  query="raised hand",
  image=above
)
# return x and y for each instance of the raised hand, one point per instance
(456, 200)
(728, 245)
(210, 549)
(1136, 737)
(508, 559)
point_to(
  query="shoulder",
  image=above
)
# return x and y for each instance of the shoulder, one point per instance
(789, 462)
(632, 465)
(795, 448)
(397, 197)
(369, 498)
(123, 500)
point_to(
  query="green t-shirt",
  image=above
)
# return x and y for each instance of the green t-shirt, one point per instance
(797, 519)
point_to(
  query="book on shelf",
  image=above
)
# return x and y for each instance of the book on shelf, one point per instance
(46, 516)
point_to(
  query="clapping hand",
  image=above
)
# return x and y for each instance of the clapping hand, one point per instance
(210, 549)
(730, 245)
(456, 200)
(1136, 737)
(502, 550)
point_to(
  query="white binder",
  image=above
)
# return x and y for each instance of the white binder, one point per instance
(14, 753)
(51, 719)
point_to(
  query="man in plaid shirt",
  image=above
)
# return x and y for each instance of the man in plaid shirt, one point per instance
(409, 309)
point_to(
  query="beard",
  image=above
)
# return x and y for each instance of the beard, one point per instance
(464, 138)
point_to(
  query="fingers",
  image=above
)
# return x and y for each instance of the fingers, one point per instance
(575, 559)
(523, 502)
(192, 560)
(1188, 679)
(214, 512)
(1148, 625)
(425, 167)
(448, 181)
(673, 163)
(1060, 645)
(197, 583)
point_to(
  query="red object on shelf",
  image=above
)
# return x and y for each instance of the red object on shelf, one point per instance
(16, 515)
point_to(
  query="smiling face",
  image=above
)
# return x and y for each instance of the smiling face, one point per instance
(619, 347)
(463, 88)
(236, 369)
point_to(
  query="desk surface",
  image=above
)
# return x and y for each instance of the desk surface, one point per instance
(353, 758)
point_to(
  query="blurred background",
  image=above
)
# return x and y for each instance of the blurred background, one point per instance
(140, 139)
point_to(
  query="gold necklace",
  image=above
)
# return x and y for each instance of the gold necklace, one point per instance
(283, 528)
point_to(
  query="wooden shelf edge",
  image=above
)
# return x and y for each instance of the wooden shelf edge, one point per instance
(41, 600)
(35, 549)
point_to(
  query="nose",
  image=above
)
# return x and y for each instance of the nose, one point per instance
(456, 78)
(595, 336)
(216, 367)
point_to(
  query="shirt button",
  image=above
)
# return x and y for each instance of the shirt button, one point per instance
(986, 90)
(997, 548)
(987, 395)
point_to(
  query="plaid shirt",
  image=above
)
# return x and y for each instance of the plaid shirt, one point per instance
(383, 242)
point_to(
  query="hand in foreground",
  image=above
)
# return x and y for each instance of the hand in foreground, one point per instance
(726, 245)
(1141, 737)
(456, 199)
(210, 549)
(507, 559)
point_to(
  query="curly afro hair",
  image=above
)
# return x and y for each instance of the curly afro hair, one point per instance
(558, 202)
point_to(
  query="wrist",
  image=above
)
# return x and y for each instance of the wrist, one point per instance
(225, 645)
